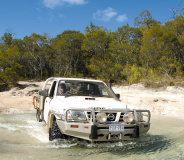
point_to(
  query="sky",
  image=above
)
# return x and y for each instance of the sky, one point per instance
(23, 17)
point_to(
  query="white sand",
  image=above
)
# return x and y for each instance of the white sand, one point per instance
(19, 99)
(166, 102)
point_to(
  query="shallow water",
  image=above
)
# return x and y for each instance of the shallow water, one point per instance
(22, 137)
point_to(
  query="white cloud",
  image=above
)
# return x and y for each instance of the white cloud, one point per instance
(77, 2)
(122, 18)
(105, 15)
(51, 3)
(54, 3)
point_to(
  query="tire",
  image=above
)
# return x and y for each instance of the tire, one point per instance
(54, 132)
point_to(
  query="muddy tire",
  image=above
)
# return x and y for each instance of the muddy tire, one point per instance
(54, 132)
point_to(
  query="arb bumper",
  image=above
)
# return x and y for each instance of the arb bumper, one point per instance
(105, 125)
(99, 132)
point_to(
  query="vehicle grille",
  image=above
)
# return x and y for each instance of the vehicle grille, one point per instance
(111, 117)
(121, 117)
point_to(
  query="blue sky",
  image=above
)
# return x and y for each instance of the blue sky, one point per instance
(23, 17)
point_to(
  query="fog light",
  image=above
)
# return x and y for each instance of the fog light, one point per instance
(101, 117)
(128, 117)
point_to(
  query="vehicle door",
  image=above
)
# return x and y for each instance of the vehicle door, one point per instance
(49, 99)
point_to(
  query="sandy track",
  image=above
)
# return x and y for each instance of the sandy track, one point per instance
(19, 99)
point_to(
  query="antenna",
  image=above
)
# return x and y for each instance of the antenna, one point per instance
(127, 96)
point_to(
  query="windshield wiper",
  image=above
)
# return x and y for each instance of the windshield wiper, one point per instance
(92, 95)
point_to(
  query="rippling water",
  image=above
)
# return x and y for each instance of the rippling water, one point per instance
(22, 137)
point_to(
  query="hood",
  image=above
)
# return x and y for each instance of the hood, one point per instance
(89, 102)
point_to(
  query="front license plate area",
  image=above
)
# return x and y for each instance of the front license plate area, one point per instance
(116, 128)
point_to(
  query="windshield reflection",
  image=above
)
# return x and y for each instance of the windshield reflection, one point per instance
(82, 88)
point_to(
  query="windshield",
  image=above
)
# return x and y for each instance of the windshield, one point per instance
(82, 88)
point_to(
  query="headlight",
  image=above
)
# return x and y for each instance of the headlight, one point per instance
(76, 115)
(101, 117)
(128, 117)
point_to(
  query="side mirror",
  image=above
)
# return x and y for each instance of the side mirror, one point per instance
(111, 81)
(43, 93)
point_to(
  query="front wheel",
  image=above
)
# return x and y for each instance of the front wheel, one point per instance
(54, 132)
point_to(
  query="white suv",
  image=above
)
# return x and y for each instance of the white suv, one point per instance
(88, 109)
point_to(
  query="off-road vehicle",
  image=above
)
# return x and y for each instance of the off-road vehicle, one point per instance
(88, 109)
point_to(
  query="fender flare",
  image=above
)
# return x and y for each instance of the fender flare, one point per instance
(51, 118)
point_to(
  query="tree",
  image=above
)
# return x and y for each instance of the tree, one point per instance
(129, 54)
(91, 28)
(162, 50)
(173, 45)
(125, 49)
(145, 19)
(177, 11)
(151, 50)
(9, 57)
(95, 47)
(68, 53)
(36, 53)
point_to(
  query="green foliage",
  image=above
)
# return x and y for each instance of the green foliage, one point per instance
(151, 53)
(145, 19)
(11, 75)
(134, 73)
(91, 28)
(68, 57)
(36, 49)
(9, 61)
